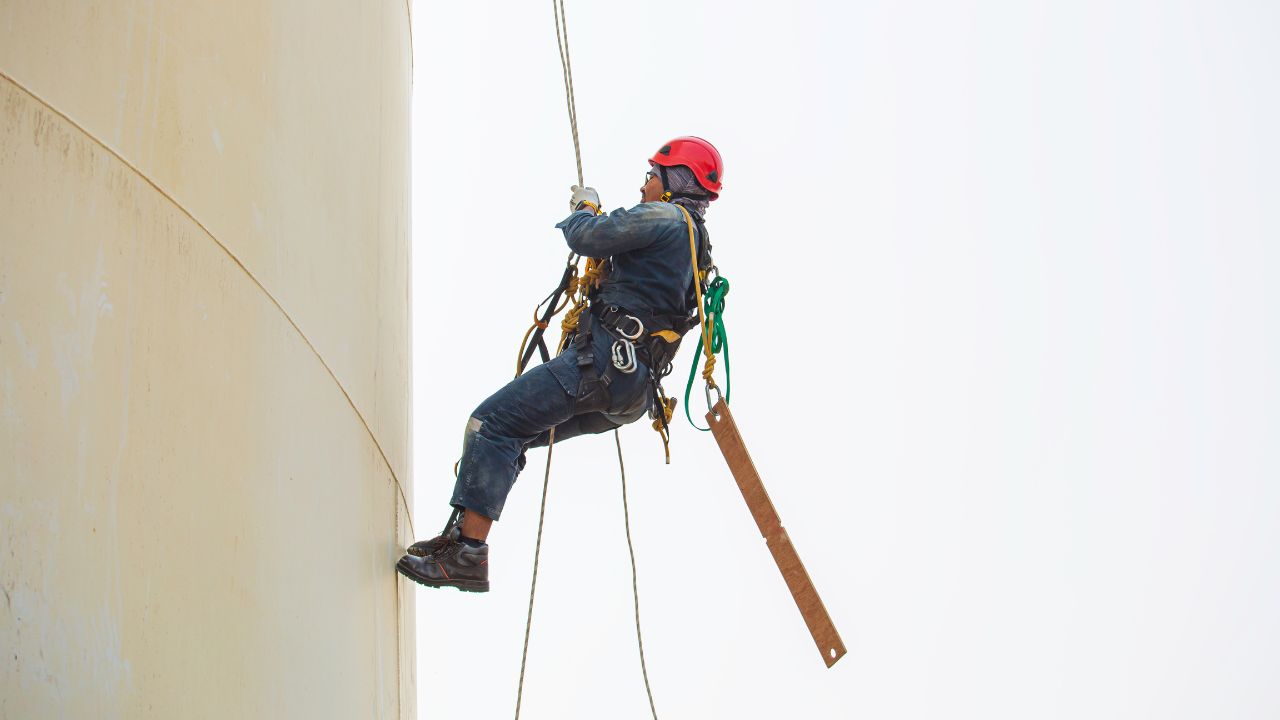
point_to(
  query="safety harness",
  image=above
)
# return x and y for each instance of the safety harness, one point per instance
(639, 338)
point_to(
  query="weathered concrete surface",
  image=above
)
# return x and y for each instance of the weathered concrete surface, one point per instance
(204, 459)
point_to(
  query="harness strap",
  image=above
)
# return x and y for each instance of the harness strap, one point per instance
(658, 348)
(593, 388)
(533, 337)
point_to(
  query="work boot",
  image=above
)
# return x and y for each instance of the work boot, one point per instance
(423, 548)
(450, 563)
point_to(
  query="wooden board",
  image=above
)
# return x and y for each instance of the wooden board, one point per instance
(784, 553)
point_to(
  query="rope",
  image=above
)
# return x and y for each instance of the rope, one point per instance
(718, 340)
(576, 292)
(579, 291)
(714, 335)
(697, 282)
(533, 585)
(562, 44)
(635, 586)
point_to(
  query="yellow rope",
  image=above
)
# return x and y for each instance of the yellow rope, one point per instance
(661, 424)
(579, 289)
(699, 276)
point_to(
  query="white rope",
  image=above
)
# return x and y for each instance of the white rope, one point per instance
(562, 43)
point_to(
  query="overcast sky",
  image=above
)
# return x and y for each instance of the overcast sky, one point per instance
(1004, 330)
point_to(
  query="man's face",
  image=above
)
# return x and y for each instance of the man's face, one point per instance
(651, 191)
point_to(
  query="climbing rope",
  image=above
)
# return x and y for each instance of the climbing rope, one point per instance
(533, 584)
(576, 289)
(635, 585)
(562, 43)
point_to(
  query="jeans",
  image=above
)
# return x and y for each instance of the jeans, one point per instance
(522, 413)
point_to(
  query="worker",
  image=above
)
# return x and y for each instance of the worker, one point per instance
(605, 377)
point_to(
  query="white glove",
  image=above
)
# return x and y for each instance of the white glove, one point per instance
(583, 195)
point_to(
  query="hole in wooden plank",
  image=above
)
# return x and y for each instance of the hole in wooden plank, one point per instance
(833, 653)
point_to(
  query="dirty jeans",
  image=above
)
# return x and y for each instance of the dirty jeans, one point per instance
(521, 414)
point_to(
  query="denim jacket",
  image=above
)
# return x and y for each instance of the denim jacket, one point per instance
(651, 271)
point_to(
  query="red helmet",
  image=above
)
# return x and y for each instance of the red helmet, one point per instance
(696, 154)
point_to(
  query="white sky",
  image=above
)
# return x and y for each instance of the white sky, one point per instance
(1004, 333)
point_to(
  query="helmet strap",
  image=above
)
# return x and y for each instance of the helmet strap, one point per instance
(662, 175)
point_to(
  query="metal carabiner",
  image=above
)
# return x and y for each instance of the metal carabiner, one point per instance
(711, 405)
(632, 336)
(624, 356)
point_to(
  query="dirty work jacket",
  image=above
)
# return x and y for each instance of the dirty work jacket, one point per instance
(651, 271)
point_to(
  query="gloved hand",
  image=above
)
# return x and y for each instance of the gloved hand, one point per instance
(584, 195)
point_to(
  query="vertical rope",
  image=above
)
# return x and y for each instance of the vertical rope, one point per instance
(635, 586)
(566, 68)
(562, 43)
(533, 585)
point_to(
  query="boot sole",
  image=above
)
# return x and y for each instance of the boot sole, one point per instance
(476, 586)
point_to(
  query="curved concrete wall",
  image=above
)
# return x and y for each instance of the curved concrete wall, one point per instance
(204, 359)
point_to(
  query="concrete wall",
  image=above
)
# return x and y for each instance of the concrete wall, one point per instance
(204, 359)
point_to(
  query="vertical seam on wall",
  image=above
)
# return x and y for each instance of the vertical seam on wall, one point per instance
(241, 265)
